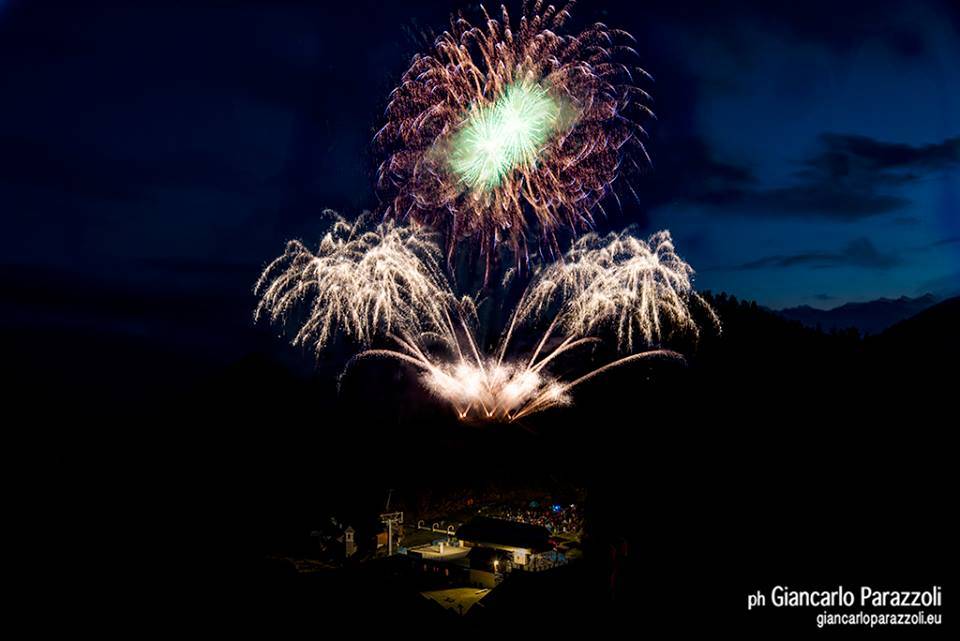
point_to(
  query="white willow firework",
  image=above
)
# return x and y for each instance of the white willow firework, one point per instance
(643, 289)
(360, 282)
(509, 132)
(385, 284)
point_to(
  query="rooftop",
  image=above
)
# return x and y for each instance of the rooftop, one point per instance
(434, 552)
(483, 529)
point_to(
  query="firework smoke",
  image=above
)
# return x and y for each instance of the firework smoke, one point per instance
(508, 134)
(385, 284)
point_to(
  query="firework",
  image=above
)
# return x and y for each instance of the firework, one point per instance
(361, 282)
(511, 133)
(642, 289)
(385, 284)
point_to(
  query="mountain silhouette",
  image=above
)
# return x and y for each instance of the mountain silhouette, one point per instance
(870, 317)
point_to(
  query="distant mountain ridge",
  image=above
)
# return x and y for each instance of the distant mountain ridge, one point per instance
(870, 317)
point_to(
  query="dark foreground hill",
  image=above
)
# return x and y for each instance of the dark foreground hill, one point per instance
(776, 455)
(931, 334)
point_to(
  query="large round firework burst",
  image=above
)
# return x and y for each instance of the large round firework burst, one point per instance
(508, 135)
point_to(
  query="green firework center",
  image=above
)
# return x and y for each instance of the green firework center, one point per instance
(497, 139)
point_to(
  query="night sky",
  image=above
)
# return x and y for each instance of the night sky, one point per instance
(154, 157)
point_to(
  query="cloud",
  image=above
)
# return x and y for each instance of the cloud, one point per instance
(820, 199)
(858, 158)
(944, 242)
(943, 286)
(842, 28)
(858, 253)
(906, 221)
(848, 179)
(685, 168)
(52, 167)
(845, 28)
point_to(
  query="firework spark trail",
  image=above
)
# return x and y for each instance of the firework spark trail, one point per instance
(385, 283)
(360, 282)
(508, 133)
(641, 288)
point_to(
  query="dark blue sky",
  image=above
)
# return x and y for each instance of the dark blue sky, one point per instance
(831, 137)
(153, 157)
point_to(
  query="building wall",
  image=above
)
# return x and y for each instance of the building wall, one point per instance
(483, 578)
(520, 555)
